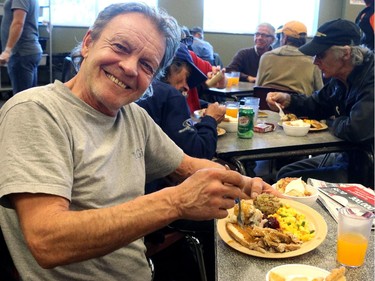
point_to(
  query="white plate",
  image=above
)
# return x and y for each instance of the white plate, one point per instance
(220, 131)
(290, 271)
(316, 222)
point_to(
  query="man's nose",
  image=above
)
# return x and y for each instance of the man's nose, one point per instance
(129, 66)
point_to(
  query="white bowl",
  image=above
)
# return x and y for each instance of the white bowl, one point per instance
(307, 200)
(230, 127)
(290, 271)
(296, 129)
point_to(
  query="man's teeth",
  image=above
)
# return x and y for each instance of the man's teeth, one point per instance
(116, 81)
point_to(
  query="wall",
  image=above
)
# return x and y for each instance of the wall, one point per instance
(190, 13)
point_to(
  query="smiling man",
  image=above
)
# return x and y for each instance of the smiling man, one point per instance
(76, 156)
(347, 100)
(246, 61)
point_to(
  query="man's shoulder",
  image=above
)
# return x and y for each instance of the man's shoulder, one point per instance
(247, 50)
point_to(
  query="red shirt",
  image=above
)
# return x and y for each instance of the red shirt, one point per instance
(193, 97)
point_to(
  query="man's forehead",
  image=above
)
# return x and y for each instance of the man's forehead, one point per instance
(263, 29)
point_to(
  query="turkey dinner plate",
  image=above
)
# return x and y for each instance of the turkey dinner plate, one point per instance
(315, 220)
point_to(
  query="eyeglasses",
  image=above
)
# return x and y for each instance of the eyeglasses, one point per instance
(187, 40)
(263, 35)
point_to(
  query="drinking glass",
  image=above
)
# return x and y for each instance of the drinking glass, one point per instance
(354, 227)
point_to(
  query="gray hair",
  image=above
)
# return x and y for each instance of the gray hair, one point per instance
(269, 26)
(165, 23)
(358, 53)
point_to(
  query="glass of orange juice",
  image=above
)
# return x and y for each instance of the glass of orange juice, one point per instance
(231, 108)
(354, 227)
(235, 78)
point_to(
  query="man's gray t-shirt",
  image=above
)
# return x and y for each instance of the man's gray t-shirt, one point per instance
(52, 142)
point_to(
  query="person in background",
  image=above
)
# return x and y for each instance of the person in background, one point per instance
(196, 96)
(365, 20)
(348, 97)
(22, 51)
(201, 47)
(277, 42)
(286, 68)
(246, 61)
(76, 157)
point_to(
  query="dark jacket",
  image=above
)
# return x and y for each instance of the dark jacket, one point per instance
(169, 109)
(353, 108)
(245, 61)
(363, 21)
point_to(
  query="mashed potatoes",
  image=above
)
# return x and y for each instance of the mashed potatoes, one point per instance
(293, 222)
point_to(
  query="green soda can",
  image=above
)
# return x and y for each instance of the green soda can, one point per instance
(245, 122)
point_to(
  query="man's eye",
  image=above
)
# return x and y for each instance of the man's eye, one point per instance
(120, 47)
(148, 68)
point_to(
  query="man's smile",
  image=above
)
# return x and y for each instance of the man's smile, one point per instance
(116, 81)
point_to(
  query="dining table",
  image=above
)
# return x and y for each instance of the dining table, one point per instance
(276, 144)
(234, 92)
(232, 264)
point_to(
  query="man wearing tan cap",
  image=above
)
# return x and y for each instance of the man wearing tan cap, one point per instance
(286, 68)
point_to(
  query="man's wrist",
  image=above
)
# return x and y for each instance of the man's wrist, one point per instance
(8, 50)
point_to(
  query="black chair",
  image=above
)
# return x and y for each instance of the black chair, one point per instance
(160, 240)
(8, 271)
(69, 69)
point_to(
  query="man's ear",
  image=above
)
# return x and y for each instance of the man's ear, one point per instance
(347, 53)
(86, 43)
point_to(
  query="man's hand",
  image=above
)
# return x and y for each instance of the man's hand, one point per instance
(216, 111)
(5, 55)
(251, 79)
(207, 194)
(282, 98)
(255, 186)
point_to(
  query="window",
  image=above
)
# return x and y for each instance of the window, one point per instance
(78, 12)
(247, 14)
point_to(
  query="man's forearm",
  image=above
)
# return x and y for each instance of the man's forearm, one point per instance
(58, 236)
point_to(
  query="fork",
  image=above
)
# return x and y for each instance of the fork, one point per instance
(281, 111)
(239, 217)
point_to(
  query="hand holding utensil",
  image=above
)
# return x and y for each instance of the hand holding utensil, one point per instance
(281, 112)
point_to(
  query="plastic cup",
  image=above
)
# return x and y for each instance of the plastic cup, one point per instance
(235, 78)
(354, 227)
(231, 108)
(253, 103)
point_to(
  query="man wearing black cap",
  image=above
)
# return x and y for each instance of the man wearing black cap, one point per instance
(348, 98)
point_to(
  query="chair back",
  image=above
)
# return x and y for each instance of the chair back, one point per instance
(8, 271)
(68, 69)
(261, 93)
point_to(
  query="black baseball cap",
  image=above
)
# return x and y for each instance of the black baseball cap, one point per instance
(337, 32)
(196, 76)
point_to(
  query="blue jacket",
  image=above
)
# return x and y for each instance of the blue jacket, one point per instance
(169, 109)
